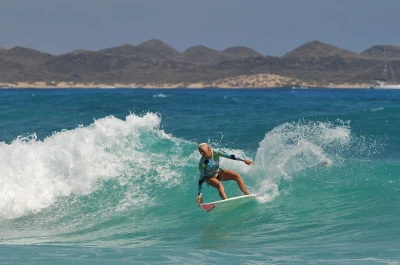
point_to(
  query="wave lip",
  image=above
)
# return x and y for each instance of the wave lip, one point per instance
(71, 162)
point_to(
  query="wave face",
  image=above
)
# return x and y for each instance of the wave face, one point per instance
(116, 170)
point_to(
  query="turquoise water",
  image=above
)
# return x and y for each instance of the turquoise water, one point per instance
(110, 176)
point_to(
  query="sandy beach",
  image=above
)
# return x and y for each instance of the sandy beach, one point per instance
(242, 81)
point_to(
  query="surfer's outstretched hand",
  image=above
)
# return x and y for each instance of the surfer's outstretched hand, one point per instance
(248, 162)
(199, 200)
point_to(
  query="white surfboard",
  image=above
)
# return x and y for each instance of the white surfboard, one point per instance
(228, 204)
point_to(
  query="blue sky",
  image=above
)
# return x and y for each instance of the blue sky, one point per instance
(270, 27)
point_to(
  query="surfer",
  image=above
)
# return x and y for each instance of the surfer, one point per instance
(213, 174)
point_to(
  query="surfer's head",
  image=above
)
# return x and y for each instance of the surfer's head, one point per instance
(205, 150)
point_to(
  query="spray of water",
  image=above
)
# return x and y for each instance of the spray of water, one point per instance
(293, 147)
(35, 173)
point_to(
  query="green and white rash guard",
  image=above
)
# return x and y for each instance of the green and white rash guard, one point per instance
(208, 167)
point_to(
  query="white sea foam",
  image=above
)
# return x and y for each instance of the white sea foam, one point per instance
(35, 173)
(377, 109)
(160, 96)
(293, 147)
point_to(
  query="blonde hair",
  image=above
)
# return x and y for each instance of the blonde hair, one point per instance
(200, 145)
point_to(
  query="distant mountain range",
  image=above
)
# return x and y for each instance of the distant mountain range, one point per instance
(154, 61)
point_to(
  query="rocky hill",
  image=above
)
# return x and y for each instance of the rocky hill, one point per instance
(157, 62)
(317, 49)
(241, 52)
(122, 50)
(392, 52)
(203, 55)
(24, 56)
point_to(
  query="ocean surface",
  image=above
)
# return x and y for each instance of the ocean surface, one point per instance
(109, 176)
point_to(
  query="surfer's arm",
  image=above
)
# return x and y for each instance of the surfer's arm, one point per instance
(233, 157)
(229, 156)
(200, 185)
(199, 199)
(201, 177)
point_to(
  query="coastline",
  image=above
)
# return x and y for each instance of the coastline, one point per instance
(261, 81)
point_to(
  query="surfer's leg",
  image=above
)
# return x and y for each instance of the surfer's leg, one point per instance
(227, 174)
(213, 182)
